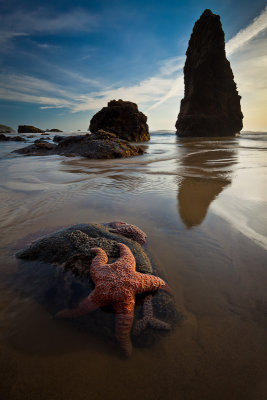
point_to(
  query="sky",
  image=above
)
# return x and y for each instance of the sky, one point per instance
(61, 61)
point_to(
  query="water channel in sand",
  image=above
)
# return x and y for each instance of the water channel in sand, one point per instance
(203, 205)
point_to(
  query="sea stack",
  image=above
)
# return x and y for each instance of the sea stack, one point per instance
(122, 118)
(211, 104)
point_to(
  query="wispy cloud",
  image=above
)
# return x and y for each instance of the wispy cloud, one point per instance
(148, 93)
(46, 46)
(27, 98)
(28, 89)
(258, 25)
(166, 86)
(24, 23)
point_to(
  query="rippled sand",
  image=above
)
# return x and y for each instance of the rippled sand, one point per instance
(203, 205)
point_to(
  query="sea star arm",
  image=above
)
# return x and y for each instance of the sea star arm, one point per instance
(100, 258)
(126, 257)
(149, 319)
(124, 314)
(148, 283)
(116, 224)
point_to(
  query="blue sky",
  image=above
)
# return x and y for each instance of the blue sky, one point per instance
(62, 61)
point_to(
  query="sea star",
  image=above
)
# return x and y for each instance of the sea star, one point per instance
(149, 319)
(116, 284)
(128, 230)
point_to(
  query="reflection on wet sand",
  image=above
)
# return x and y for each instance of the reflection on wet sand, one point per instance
(217, 273)
(206, 168)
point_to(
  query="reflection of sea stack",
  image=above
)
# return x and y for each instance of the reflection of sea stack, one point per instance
(195, 196)
(211, 104)
(205, 175)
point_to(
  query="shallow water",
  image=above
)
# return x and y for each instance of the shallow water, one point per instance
(203, 205)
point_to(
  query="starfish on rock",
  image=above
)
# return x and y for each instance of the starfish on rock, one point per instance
(149, 319)
(116, 284)
(128, 230)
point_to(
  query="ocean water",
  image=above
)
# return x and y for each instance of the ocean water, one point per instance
(203, 205)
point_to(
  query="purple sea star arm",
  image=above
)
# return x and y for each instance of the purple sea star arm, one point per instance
(128, 230)
(149, 319)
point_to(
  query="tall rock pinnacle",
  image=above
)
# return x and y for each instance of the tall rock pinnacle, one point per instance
(211, 104)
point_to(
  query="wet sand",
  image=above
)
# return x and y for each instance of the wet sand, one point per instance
(203, 205)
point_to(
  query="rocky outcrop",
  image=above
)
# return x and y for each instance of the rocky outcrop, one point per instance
(66, 267)
(99, 145)
(58, 247)
(4, 138)
(29, 129)
(6, 129)
(122, 118)
(58, 138)
(211, 104)
(53, 130)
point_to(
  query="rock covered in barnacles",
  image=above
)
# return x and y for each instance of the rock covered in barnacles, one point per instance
(59, 246)
(57, 267)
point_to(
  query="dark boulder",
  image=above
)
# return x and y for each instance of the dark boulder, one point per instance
(4, 138)
(38, 148)
(53, 130)
(29, 129)
(122, 118)
(41, 140)
(44, 145)
(99, 145)
(211, 104)
(6, 129)
(58, 138)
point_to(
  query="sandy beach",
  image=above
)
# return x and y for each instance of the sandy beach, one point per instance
(203, 206)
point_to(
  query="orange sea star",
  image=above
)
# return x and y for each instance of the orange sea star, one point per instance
(116, 284)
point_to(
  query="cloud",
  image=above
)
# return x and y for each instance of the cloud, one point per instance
(250, 69)
(258, 25)
(31, 85)
(148, 93)
(5, 37)
(23, 88)
(25, 23)
(46, 46)
(27, 98)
